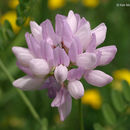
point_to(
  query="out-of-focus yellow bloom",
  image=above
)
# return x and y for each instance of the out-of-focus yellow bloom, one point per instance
(11, 17)
(56, 4)
(119, 75)
(90, 3)
(116, 84)
(92, 97)
(122, 74)
(13, 3)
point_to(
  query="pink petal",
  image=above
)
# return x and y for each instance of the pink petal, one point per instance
(72, 21)
(60, 57)
(87, 60)
(23, 55)
(47, 51)
(65, 108)
(60, 98)
(84, 34)
(36, 30)
(67, 34)
(24, 69)
(28, 83)
(64, 59)
(48, 32)
(100, 32)
(92, 46)
(39, 67)
(80, 21)
(59, 24)
(75, 74)
(107, 54)
(27, 37)
(73, 52)
(75, 49)
(63, 30)
(35, 47)
(97, 78)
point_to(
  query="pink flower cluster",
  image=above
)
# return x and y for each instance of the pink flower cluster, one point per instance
(51, 55)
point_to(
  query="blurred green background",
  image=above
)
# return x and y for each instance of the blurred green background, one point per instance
(106, 108)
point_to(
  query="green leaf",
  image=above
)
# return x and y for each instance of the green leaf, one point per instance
(118, 101)
(97, 126)
(109, 114)
(126, 90)
(44, 122)
(20, 21)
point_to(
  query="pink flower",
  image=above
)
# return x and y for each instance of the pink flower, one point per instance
(50, 55)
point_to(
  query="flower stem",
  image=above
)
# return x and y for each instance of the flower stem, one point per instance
(81, 115)
(21, 93)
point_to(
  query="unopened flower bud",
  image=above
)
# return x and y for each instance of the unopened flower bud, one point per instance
(61, 73)
(76, 89)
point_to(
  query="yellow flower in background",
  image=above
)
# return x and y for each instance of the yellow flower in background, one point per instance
(116, 84)
(119, 75)
(56, 4)
(90, 3)
(92, 97)
(11, 17)
(13, 3)
(122, 74)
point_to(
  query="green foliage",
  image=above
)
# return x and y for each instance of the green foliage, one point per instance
(109, 114)
(98, 127)
(118, 101)
(126, 90)
(44, 123)
(116, 118)
(6, 34)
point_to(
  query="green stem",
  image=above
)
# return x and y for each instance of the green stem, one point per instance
(81, 115)
(21, 93)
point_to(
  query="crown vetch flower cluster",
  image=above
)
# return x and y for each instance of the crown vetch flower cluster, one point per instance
(48, 62)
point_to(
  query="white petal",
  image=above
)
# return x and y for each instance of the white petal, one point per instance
(23, 55)
(36, 30)
(39, 67)
(97, 78)
(61, 73)
(100, 32)
(86, 60)
(28, 83)
(76, 89)
(72, 21)
(84, 34)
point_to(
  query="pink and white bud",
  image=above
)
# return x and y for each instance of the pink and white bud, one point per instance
(61, 73)
(23, 55)
(28, 83)
(76, 89)
(39, 67)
